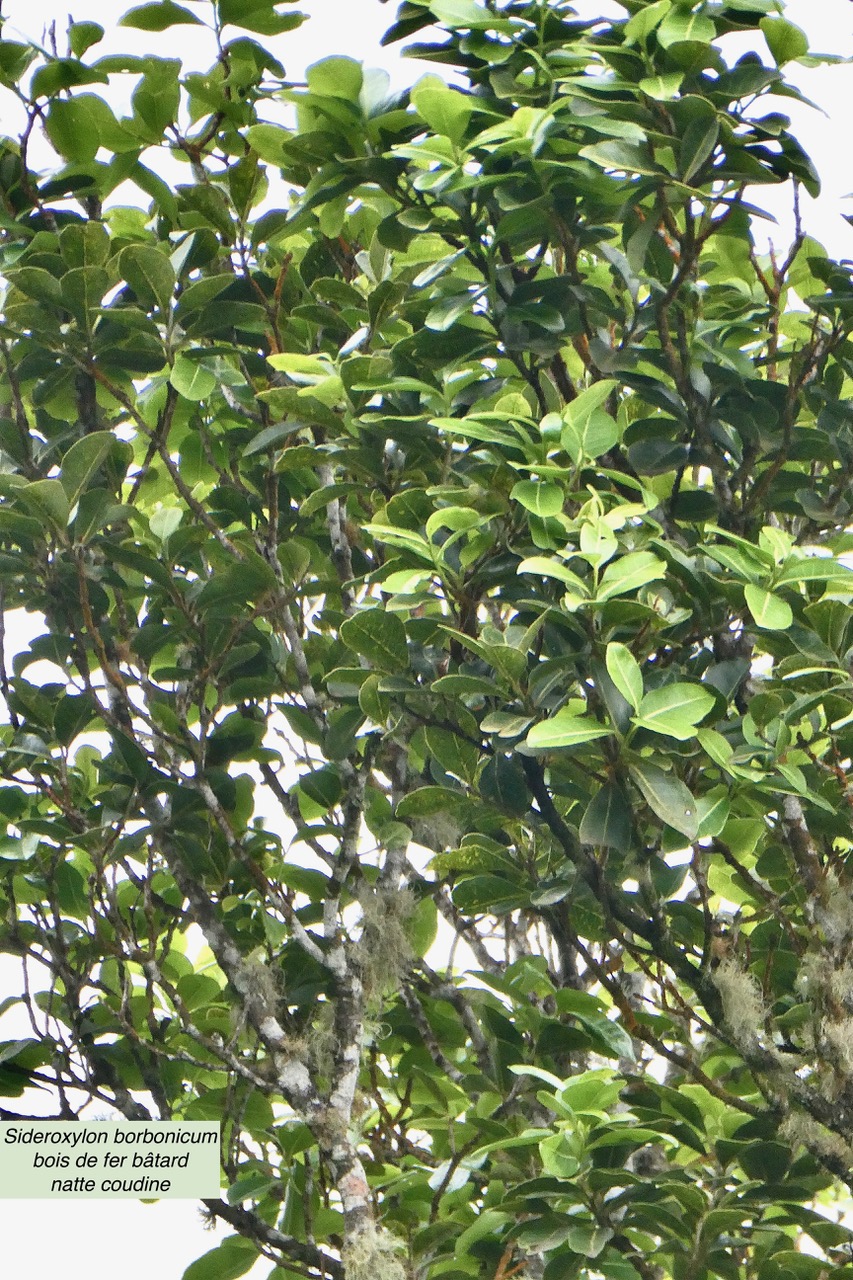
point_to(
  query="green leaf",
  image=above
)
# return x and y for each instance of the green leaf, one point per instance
(456, 686)
(564, 730)
(644, 22)
(336, 78)
(378, 636)
(424, 802)
(545, 567)
(662, 88)
(627, 156)
(770, 611)
(461, 13)
(82, 35)
(488, 1222)
(72, 128)
(445, 110)
(259, 16)
(60, 74)
(697, 146)
(95, 510)
(675, 710)
(784, 40)
(681, 24)
(156, 98)
(487, 893)
(82, 461)
(607, 819)
(587, 1238)
(598, 542)
(589, 431)
(202, 292)
(422, 926)
(714, 808)
(46, 498)
(164, 522)
(269, 437)
(503, 783)
(254, 1185)
(815, 569)
(149, 273)
(159, 16)
(231, 1258)
(539, 496)
(37, 283)
(83, 289)
(624, 671)
(629, 573)
(719, 748)
(667, 796)
(445, 313)
(191, 379)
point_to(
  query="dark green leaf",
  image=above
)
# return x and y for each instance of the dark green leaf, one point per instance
(378, 636)
(607, 819)
(667, 797)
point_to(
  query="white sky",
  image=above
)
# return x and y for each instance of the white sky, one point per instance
(103, 1238)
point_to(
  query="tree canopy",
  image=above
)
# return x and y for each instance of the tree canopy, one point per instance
(434, 764)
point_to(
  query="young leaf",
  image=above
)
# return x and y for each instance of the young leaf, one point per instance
(547, 567)
(460, 13)
(444, 109)
(624, 671)
(564, 730)
(675, 710)
(191, 380)
(539, 496)
(629, 573)
(770, 611)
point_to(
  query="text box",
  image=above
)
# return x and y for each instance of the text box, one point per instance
(109, 1160)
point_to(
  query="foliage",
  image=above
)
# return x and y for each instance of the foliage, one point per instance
(434, 764)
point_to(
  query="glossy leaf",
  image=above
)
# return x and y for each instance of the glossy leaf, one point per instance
(624, 671)
(674, 710)
(668, 797)
(564, 730)
(769, 610)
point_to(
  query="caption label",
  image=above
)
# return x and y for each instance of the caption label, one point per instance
(109, 1160)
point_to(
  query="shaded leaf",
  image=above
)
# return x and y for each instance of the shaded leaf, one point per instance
(607, 819)
(668, 797)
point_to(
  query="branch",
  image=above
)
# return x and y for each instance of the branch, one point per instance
(253, 1227)
(426, 1033)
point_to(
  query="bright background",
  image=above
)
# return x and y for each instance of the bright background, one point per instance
(101, 1239)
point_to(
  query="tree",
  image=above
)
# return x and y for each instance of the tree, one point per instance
(437, 508)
